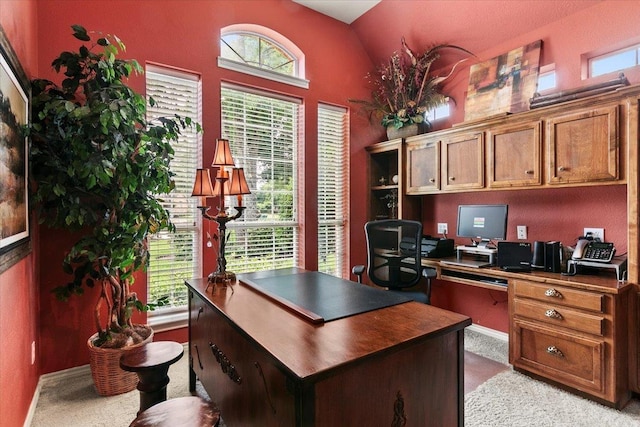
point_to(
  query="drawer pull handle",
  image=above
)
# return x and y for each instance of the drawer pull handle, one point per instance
(225, 364)
(552, 349)
(200, 310)
(553, 314)
(553, 293)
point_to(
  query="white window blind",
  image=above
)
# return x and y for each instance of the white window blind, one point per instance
(333, 188)
(263, 134)
(175, 257)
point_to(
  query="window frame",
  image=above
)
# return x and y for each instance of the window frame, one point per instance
(166, 318)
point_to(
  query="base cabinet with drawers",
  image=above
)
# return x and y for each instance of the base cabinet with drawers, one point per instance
(263, 365)
(575, 336)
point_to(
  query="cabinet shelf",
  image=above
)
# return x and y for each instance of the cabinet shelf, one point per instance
(384, 187)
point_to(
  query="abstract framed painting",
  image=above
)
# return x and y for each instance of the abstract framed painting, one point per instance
(15, 240)
(504, 84)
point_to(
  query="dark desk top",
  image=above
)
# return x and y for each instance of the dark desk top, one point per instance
(320, 297)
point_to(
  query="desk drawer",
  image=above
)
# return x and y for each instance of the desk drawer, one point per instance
(559, 295)
(577, 362)
(559, 316)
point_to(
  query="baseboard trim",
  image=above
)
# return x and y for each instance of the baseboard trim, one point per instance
(503, 336)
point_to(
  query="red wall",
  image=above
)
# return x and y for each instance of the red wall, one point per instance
(19, 303)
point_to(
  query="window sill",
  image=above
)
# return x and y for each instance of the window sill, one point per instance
(174, 319)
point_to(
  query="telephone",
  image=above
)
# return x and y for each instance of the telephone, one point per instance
(588, 250)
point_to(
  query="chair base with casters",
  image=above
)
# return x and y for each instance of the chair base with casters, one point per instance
(414, 293)
(393, 258)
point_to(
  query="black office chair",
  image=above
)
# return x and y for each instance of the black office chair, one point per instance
(393, 258)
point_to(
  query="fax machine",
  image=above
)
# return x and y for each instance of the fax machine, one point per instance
(434, 247)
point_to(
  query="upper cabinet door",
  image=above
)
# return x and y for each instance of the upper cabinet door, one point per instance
(423, 166)
(584, 146)
(463, 161)
(515, 153)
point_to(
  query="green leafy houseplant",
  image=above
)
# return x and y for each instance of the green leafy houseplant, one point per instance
(99, 168)
(404, 89)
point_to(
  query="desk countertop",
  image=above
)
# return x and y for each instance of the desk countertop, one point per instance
(600, 283)
(307, 348)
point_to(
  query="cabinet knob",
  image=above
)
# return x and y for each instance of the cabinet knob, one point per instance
(528, 172)
(432, 180)
(553, 314)
(452, 178)
(553, 293)
(562, 168)
(552, 349)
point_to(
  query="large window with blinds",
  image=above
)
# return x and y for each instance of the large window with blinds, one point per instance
(176, 256)
(333, 188)
(263, 132)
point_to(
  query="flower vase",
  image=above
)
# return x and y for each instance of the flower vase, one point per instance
(403, 132)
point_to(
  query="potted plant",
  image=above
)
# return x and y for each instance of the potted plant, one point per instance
(404, 89)
(99, 167)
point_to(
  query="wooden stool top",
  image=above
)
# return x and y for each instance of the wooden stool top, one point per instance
(152, 355)
(190, 411)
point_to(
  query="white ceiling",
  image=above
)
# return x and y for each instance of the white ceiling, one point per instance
(346, 11)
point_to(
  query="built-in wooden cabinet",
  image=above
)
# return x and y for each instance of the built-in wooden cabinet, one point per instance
(583, 146)
(423, 165)
(572, 335)
(387, 196)
(556, 146)
(462, 161)
(515, 155)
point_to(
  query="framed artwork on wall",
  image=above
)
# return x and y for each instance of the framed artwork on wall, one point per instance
(503, 84)
(14, 157)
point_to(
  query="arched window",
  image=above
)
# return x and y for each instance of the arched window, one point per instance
(259, 51)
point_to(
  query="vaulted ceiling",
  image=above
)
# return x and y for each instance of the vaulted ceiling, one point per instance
(476, 25)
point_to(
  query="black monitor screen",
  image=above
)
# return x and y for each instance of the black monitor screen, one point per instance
(484, 222)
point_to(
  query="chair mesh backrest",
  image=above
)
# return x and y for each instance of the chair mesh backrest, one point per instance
(393, 252)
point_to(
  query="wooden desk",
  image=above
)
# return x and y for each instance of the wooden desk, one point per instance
(264, 365)
(569, 330)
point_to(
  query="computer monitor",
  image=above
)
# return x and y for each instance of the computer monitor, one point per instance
(482, 222)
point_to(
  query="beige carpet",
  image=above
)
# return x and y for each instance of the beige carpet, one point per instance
(509, 399)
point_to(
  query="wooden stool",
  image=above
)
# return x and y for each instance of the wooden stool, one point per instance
(190, 411)
(151, 363)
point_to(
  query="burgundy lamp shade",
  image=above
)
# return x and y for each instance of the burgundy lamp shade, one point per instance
(238, 182)
(223, 154)
(222, 176)
(202, 186)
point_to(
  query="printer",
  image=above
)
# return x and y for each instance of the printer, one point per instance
(434, 247)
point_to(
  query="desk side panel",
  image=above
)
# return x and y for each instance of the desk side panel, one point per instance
(420, 383)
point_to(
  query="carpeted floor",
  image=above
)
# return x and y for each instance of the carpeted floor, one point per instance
(508, 399)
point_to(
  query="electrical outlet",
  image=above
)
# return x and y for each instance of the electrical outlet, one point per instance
(595, 233)
(522, 232)
(443, 228)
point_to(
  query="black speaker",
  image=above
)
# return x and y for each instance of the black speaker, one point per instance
(552, 257)
(538, 255)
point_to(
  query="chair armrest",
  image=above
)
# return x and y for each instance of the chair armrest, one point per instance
(358, 270)
(429, 273)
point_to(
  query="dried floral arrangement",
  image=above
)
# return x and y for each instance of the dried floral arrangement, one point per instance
(403, 88)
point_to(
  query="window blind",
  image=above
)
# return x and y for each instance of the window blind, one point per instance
(263, 134)
(175, 257)
(333, 188)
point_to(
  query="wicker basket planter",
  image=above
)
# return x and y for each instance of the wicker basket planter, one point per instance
(107, 376)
